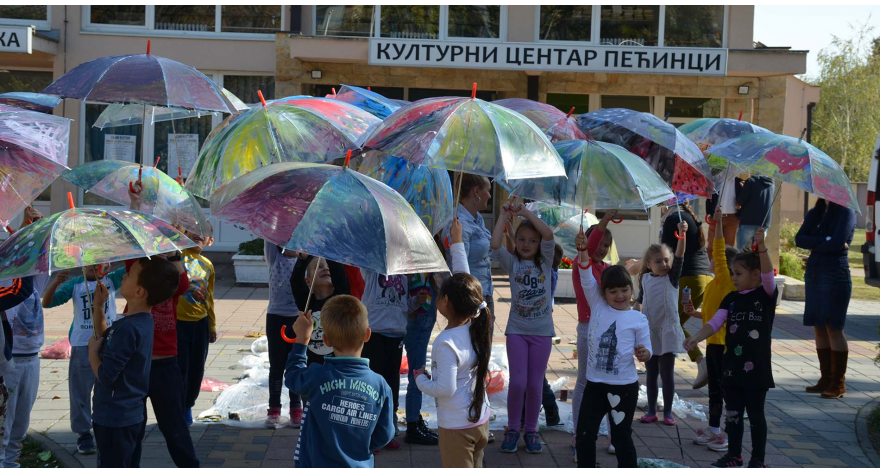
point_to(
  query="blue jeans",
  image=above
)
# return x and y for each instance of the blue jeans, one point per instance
(744, 235)
(418, 334)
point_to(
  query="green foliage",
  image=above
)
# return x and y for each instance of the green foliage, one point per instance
(251, 247)
(786, 236)
(847, 118)
(790, 264)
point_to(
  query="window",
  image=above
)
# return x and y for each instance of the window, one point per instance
(250, 18)
(630, 25)
(682, 110)
(566, 23)
(124, 15)
(564, 102)
(246, 87)
(24, 12)
(480, 21)
(694, 25)
(344, 20)
(417, 22)
(632, 102)
(116, 143)
(185, 18)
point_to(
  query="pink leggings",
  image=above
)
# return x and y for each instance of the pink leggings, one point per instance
(528, 357)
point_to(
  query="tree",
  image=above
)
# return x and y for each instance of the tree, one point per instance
(847, 118)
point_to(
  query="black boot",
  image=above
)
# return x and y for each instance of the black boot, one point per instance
(418, 434)
(424, 425)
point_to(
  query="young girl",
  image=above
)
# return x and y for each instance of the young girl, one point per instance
(282, 311)
(658, 295)
(599, 242)
(749, 314)
(459, 367)
(530, 326)
(612, 381)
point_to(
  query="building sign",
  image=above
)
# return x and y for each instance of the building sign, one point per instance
(120, 147)
(16, 39)
(183, 149)
(548, 57)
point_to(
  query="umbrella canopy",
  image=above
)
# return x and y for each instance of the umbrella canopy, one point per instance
(791, 160)
(31, 101)
(33, 152)
(556, 124)
(428, 190)
(295, 129)
(141, 79)
(163, 197)
(677, 159)
(467, 135)
(123, 115)
(367, 100)
(708, 132)
(599, 176)
(80, 237)
(566, 223)
(331, 212)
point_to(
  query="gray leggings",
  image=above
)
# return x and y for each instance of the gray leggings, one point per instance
(664, 366)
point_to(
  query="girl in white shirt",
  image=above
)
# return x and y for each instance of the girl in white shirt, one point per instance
(460, 363)
(612, 381)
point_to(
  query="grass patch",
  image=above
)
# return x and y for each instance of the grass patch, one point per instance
(874, 428)
(33, 455)
(855, 250)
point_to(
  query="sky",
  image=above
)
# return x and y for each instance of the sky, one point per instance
(810, 27)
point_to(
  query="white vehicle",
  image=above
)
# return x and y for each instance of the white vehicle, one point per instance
(870, 255)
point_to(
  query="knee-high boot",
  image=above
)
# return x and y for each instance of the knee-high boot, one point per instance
(838, 375)
(824, 370)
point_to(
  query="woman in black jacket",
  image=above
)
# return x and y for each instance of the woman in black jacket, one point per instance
(827, 232)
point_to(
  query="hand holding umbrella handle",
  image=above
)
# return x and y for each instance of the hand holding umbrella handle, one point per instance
(284, 336)
(709, 220)
(618, 220)
(678, 236)
(446, 242)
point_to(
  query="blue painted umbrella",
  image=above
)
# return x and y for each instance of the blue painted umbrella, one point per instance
(331, 212)
(566, 222)
(31, 101)
(367, 100)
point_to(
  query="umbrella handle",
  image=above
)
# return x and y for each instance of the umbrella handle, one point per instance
(754, 247)
(709, 220)
(589, 264)
(284, 336)
(679, 237)
(130, 187)
(446, 242)
(100, 273)
(9, 229)
(618, 220)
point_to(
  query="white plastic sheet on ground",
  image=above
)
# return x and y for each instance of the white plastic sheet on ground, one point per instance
(680, 408)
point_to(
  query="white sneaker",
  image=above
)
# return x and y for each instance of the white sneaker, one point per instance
(719, 444)
(702, 375)
(611, 449)
(704, 436)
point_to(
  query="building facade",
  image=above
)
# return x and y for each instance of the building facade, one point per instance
(679, 62)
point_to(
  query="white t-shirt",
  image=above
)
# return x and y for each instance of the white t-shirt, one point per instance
(728, 195)
(81, 329)
(612, 338)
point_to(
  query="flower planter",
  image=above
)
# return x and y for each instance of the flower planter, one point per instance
(564, 288)
(250, 269)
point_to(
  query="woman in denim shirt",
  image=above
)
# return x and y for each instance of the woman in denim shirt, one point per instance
(475, 194)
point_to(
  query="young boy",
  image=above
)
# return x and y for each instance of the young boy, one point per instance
(196, 323)
(122, 364)
(350, 412)
(80, 379)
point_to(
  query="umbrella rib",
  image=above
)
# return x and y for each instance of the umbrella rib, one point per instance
(101, 77)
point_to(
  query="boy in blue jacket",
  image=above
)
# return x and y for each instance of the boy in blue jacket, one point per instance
(350, 412)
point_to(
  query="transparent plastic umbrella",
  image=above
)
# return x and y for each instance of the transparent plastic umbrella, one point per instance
(122, 115)
(31, 101)
(367, 100)
(558, 125)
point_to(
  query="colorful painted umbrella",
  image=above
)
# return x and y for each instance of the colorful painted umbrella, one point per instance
(163, 197)
(566, 223)
(428, 190)
(295, 129)
(677, 159)
(599, 176)
(123, 115)
(33, 152)
(558, 125)
(332, 212)
(80, 237)
(367, 100)
(141, 79)
(708, 132)
(467, 135)
(31, 101)
(791, 160)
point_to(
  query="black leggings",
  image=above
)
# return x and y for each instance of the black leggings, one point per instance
(278, 352)
(664, 366)
(715, 366)
(385, 354)
(596, 402)
(750, 399)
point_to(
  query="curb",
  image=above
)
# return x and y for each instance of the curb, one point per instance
(862, 431)
(64, 458)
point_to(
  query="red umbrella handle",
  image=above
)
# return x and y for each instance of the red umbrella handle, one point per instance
(284, 336)
(679, 237)
(589, 264)
(754, 247)
(709, 220)
(618, 220)
(446, 242)
(130, 187)
(102, 274)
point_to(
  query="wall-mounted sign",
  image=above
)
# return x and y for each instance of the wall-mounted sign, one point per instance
(16, 39)
(548, 57)
(120, 147)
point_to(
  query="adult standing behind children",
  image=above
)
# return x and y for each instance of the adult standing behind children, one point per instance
(475, 193)
(196, 322)
(121, 361)
(694, 271)
(725, 201)
(754, 197)
(827, 233)
(282, 312)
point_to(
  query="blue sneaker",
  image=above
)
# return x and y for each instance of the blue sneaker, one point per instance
(511, 438)
(533, 443)
(188, 417)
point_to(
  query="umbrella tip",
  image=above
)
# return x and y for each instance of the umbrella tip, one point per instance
(70, 199)
(148, 46)
(333, 89)
(474, 91)
(262, 100)
(740, 115)
(570, 112)
(369, 89)
(347, 158)
(158, 158)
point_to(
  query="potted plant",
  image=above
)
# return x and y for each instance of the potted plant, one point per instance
(250, 265)
(564, 288)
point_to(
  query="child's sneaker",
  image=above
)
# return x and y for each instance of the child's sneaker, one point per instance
(85, 444)
(704, 436)
(296, 417)
(392, 445)
(612, 449)
(188, 416)
(728, 461)
(533, 443)
(273, 417)
(754, 463)
(511, 438)
(719, 444)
